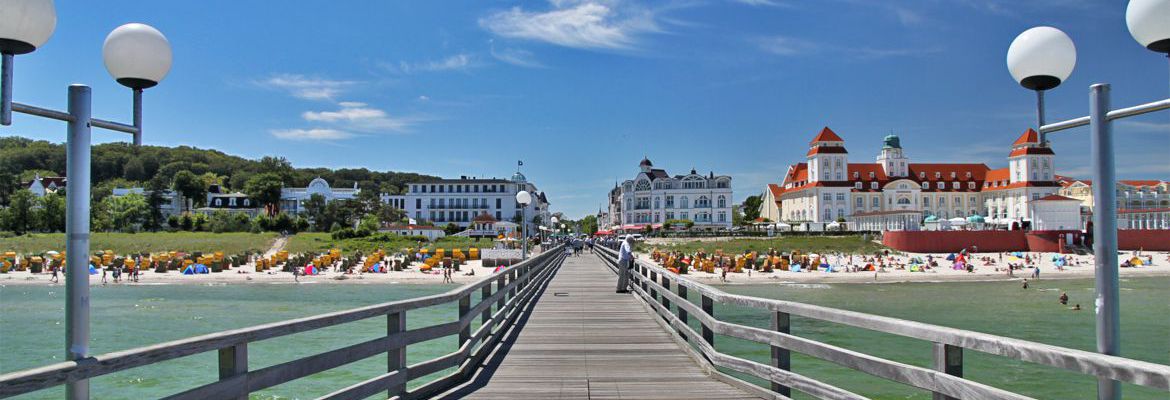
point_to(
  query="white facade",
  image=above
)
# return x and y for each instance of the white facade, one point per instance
(430, 232)
(292, 200)
(40, 186)
(891, 191)
(459, 201)
(653, 197)
(1056, 213)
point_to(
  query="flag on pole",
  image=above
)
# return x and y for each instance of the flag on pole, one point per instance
(412, 221)
(519, 163)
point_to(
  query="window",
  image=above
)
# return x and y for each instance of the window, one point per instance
(876, 202)
(860, 203)
(657, 202)
(902, 201)
(686, 215)
(857, 185)
(417, 203)
(873, 185)
(953, 175)
(926, 202)
(1035, 196)
(827, 196)
(955, 185)
(498, 204)
(840, 213)
(871, 176)
(937, 175)
(722, 217)
(939, 185)
(856, 174)
(926, 185)
(921, 175)
(669, 202)
(684, 202)
(942, 201)
(970, 185)
(722, 201)
(828, 214)
(840, 196)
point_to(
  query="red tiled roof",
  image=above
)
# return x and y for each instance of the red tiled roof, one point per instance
(1022, 151)
(827, 135)
(978, 172)
(1142, 182)
(1029, 136)
(1018, 185)
(776, 190)
(827, 150)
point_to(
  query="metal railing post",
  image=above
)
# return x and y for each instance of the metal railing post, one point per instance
(709, 309)
(1105, 234)
(666, 288)
(949, 360)
(396, 355)
(682, 312)
(781, 357)
(77, 161)
(464, 308)
(653, 292)
(233, 361)
(500, 283)
(484, 294)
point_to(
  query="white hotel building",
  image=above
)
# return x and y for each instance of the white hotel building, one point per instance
(653, 197)
(459, 201)
(893, 193)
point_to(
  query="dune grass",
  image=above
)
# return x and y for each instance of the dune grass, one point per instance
(317, 242)
(125, 243)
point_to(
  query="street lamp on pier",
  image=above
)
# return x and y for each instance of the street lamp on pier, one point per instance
(1039, 59)
(523, 198)
(137, 56)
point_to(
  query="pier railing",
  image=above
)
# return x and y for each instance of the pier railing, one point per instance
(670, 295)
(514, 288)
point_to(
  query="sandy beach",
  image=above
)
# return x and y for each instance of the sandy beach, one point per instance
(1080, 267)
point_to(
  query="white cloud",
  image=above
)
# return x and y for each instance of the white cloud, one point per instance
(308, 88)
(789, 46)
(582, 24)
(359, 117)
(517, 57)
(455, 62)
(310, 134)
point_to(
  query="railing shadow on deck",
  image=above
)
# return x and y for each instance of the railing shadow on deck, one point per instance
(661, 289)
(515, 288)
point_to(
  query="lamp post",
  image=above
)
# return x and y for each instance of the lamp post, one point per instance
(554, 221)
(1034, 59)
(523, 198)
(137, 56)
(1040, 59)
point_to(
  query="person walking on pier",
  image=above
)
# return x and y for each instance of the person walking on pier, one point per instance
(625, 261)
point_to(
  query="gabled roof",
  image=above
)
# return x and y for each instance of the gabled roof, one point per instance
(1029, 136)
(827, 135)
(484, 217)
(1056, 197)
(776, 190)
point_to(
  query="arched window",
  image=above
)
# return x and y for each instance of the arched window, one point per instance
(722, 201)
(657, 202)
(903, 201)
(860, 202)
(876, 201)
(684, 202)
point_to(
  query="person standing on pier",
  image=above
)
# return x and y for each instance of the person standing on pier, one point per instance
(625, 261)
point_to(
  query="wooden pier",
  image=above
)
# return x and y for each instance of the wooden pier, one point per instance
(584, 341)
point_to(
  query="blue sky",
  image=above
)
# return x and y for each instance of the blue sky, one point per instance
(582, 89)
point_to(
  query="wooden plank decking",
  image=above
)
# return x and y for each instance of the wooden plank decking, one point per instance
(583, 341)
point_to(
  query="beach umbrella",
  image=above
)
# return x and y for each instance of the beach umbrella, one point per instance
(201, 269)
(190, 270)
(951, 257)
(92, 270)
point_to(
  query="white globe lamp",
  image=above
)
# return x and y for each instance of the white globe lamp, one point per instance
(1041, 58)
(25, 25)
(137, 55)
(523, 197)
(1149, 23)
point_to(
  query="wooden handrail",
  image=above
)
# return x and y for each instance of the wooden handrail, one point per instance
(236, 381)
(945, 380)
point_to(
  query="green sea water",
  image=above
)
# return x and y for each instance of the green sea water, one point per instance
(32, 330)
(1000, 308)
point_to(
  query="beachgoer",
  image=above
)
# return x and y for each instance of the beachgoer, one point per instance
(625, 261)
(1077, 307)
(724, 276)
(1025, 286)
(54, 278)
(1064, 298)
(296, 274)
(103, 276)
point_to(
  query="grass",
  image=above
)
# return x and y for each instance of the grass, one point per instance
(319, 242)
(806, 244)
(125, 243)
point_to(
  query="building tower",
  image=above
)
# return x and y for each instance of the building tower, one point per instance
(893, 161)
(1030, 161)
(827, 159)
(645, 165)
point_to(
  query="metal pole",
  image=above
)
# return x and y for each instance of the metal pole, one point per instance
(138, 117)
(1040, 117)
(1105, 234)
(77, 162)
(6, 89)
(523, 233)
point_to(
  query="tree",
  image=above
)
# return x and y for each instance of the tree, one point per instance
(187, 184)
(19, 214)
(751, 207)
(737, 218)
(127, 212)
(155, 200)
(265, 188)
(589, 224)
(134, 170)
(451, 229)
(51, 214)
(315, 210)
